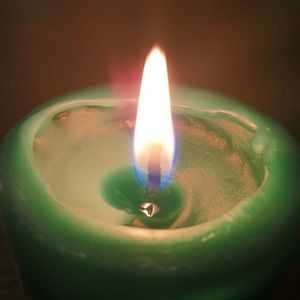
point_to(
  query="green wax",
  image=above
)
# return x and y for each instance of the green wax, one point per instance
(121, 190)
(235, 188)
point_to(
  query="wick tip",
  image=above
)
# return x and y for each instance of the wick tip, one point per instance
(154, 175)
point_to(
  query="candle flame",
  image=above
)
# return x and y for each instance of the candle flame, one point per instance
(154, 129)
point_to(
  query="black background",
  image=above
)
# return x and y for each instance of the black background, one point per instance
(246, 49)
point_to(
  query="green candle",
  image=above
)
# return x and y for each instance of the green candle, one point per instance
(78, 220)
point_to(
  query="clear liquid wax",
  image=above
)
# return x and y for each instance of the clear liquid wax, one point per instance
(79, 148)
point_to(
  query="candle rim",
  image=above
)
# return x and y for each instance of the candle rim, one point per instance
(206, 231)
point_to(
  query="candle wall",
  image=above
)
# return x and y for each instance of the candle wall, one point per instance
(64, 254)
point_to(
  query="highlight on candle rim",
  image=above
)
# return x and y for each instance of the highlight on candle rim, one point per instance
(154, 141)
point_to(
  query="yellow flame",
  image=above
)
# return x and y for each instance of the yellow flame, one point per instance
(154, 120)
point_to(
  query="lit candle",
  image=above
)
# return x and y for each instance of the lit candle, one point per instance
(207, 211)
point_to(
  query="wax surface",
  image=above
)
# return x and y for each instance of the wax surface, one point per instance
(247, 204)
(168, 207)
(76, 150)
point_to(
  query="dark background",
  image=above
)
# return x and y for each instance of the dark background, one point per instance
(246, 49)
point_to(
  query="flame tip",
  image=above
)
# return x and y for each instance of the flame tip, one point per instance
(156, 50)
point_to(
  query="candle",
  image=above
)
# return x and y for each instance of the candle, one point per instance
(214, 220)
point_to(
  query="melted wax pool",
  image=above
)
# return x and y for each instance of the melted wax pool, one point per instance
(84, 148)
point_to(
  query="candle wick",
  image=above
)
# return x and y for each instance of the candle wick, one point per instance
(149, 209)
(154, 174)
